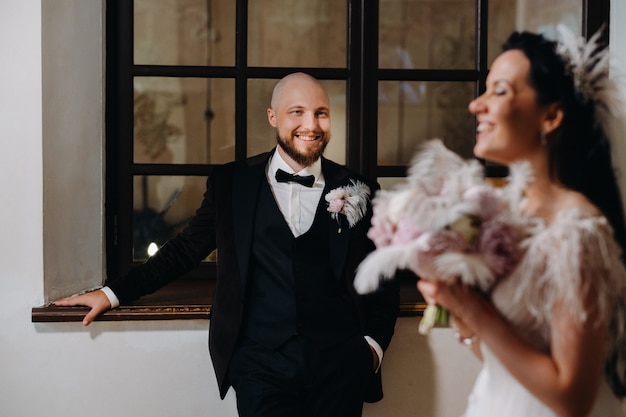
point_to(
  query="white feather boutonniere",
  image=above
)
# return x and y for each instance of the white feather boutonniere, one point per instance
(351, 201)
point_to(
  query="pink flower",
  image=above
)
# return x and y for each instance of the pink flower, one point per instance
(499, 246)
(336, 205)
(382, 230)
(405, 232)
(488, 198)
(430, 246)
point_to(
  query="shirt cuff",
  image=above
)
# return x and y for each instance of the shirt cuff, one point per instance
(115, 302)
(377, 348)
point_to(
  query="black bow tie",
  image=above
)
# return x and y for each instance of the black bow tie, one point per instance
(282, 176)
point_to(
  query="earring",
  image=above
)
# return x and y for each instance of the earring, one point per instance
(542, 135)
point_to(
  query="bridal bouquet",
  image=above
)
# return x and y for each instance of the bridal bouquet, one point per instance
(445, 222)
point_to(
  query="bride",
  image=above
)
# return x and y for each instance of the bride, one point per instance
(552, 334)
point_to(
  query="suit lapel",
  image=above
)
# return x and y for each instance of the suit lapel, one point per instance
(338, 232)
(247, 182)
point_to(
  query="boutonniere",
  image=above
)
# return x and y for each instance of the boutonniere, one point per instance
(351, 201)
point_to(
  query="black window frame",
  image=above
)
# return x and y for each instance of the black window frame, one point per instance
(361, 74)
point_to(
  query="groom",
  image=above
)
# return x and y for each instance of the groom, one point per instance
(287, 331)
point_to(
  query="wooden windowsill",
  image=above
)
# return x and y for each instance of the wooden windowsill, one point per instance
(180, 300)
(54, 314)
(184, 299)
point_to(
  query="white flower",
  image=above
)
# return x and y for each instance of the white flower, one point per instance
(467, 226)
(350, 201)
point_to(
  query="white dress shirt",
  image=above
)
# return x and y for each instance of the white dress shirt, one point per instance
(297, 202)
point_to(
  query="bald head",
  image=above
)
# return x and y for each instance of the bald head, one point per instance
(300, 112)
(301, 79)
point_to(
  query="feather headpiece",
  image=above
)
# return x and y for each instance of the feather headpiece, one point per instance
(587, 62)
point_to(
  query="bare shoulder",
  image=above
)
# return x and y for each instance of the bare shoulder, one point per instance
(575, 199)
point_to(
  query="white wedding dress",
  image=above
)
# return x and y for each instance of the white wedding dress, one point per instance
(575, 251)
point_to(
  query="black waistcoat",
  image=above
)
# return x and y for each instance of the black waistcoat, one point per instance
(291, 288)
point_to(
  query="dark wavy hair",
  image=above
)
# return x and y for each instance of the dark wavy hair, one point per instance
(579, 152)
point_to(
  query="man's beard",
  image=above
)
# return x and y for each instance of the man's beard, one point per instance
(304, 159)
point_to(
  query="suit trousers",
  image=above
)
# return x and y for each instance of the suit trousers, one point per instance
(298, 379)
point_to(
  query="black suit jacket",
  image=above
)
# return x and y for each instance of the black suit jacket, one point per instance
(225, 221)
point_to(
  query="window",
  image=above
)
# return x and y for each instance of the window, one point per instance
(188, 82)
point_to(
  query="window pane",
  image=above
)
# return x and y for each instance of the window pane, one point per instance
(531, 15)
(184, 120)
(410, 113)
(287, 33)
(184, 32)
(162, 206)
(262, 136)
(390, 183)
(427, 34)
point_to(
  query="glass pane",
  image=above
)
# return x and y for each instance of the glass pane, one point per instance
(532, 15)
(287, 33)
(162, 207)
(410, 113)
(184, 120)
(427, 34)
(262, 136)
(184, 32)
(389, 183)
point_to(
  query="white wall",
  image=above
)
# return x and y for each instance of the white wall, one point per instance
(155, 369)
(113, 369)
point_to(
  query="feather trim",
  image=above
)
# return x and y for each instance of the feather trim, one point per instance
(566, 262)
